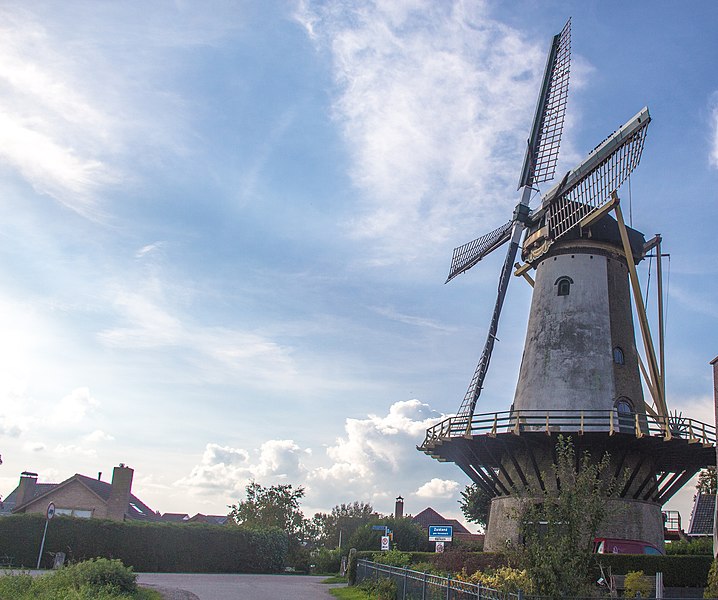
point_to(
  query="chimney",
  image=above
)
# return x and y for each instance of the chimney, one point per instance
(26, 488)
(119, 498)
(399, 508)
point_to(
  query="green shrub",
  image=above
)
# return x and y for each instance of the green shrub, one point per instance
(503, 579)
(711, 589)
(393, 558)
(15, 586)
(702, 545)
(149, 547)
(678, 571)
(99, 579)
(326, 561)
(381, 589)
(98, 573)
(635, 583)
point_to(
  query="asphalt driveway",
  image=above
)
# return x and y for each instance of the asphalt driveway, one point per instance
(193, 586)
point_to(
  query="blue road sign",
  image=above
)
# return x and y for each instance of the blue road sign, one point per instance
(440, 533)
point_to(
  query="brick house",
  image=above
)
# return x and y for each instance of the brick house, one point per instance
(80, 496)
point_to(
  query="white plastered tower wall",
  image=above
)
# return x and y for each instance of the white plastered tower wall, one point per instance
(574, 334)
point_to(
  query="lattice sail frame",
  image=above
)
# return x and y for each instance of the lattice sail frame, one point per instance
(545, 140)
(469, 254)
(594, 189)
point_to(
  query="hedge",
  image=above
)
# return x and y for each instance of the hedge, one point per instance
(678, 571)
(146, 547)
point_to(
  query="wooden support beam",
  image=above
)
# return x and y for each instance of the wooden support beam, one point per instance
(653, 367)
(523, 270)
(594, 216)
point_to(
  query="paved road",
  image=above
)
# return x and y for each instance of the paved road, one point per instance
(238, 587)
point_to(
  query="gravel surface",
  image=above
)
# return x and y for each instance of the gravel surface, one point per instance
(172, 593)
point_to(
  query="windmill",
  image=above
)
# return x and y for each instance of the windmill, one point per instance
(581, 370)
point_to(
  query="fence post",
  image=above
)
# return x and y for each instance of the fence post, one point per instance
(659, 585)
(520, 595)
(448, 587)
(403, 589)
(423, 587)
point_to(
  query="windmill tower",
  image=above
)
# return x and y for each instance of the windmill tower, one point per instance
(581, 368)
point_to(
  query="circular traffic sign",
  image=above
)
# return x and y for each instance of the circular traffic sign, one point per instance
(50, 510)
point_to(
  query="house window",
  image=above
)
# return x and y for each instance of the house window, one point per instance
(618, 357)
(563, 285)
(74, 512)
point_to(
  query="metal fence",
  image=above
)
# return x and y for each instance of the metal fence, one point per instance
(414, 585)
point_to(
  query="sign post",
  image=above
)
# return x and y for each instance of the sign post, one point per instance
(50, 513)
(440, 534)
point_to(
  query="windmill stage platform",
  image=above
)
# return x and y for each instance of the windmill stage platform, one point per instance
(510, 453)
(489, 449)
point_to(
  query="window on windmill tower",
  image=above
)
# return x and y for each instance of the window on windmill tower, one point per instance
(626, 421)
(618, 357)
(563, 285)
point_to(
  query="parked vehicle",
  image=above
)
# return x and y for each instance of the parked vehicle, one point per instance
(615, 546)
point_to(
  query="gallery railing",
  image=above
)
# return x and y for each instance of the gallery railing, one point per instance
(573, 421)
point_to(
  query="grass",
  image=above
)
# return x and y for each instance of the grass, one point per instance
(349, 593)
(335, 579)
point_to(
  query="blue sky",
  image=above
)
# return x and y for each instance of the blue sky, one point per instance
(226, 228)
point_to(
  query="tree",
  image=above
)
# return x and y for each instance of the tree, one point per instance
(275, 506)
(559, 526)
(475, 504)
(408, 535)
(707, 481)
(342, 522)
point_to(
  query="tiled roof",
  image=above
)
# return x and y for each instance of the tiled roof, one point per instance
(429, 516)
(209, 519)
(136, 509)
(175, 517)
(9, 502)
(702, 515)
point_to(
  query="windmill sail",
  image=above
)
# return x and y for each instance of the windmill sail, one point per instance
(469, 254)
(543, 145)
(589, 185)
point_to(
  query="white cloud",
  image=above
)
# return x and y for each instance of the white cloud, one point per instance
(80, 102)
(438, 488)
(34, 447)
(9, 429)
(75, 406)
(714, 129)
(228, 469)
(98, 436)
(374, 461)
(434, 100)
(149, 249)
(375, 450)
(696, 301)
(73, 450)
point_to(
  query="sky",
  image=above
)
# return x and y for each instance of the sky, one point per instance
(226, 228)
